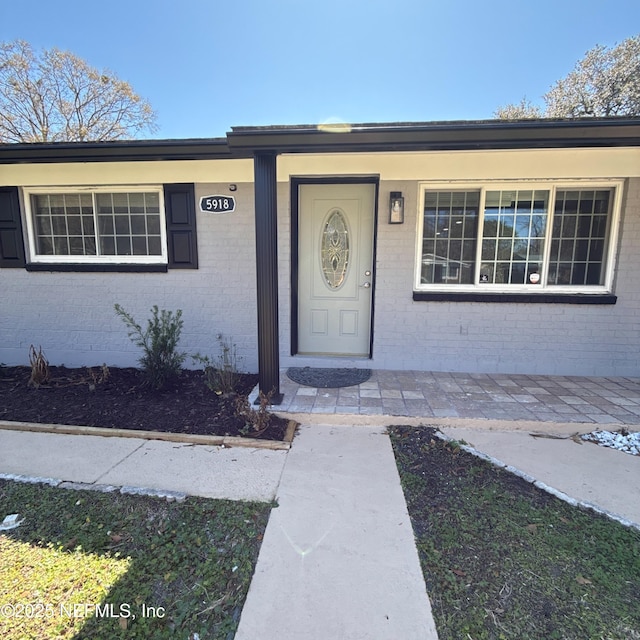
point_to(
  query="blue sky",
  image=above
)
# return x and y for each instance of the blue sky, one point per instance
(207, 65)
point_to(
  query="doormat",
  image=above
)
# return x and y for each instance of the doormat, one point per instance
(328, 378)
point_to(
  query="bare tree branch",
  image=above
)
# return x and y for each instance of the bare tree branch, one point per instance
(56, 96)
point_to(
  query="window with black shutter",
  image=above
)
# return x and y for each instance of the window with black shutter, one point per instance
(181, 226)
(11, 240)
(110, 228)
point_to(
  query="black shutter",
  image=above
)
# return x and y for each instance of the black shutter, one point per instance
(11, 240)
(180, 209)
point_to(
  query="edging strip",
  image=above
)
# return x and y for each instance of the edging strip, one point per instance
(169, 496)
(187, 438)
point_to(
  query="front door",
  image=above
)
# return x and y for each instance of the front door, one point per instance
(335, 267)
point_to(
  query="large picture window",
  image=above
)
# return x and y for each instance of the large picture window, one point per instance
(533, 237)
(99, 225)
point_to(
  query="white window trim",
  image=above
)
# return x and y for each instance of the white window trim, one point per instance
(617, 185)
(35, 258)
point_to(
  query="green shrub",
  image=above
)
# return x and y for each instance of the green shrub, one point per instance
(161, 360)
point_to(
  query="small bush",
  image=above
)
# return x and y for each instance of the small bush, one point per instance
(221, 373)
(161, 360)
(256, 421)
(97, 378)
(40, 373)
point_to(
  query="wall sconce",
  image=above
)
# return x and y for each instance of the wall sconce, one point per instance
(396, 207)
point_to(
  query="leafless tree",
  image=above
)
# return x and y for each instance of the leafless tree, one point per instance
(606, 82)
(54, 96)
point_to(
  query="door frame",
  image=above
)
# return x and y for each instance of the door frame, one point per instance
(295, 184)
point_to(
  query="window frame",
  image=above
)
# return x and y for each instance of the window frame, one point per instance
(616, 186)
(35, 258)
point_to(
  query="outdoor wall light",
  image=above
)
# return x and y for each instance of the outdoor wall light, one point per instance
(396, 207)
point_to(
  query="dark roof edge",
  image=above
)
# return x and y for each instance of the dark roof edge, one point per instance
(118, 151)
(244, 142)
(494, 123)
(436, 136)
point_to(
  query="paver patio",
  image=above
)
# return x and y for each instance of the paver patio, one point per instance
(469, 395)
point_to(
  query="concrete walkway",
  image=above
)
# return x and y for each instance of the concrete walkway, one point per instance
(166, 467)
(592, 475)
(339, 549)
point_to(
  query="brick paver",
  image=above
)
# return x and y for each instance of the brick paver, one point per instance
(493, 396)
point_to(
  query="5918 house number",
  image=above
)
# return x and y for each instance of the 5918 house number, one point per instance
(217, 204)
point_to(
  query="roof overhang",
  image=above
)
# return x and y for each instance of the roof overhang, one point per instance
(438, 136)
(118, 151)
(245, 142)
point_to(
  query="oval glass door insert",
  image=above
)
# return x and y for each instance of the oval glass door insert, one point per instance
(334, 249)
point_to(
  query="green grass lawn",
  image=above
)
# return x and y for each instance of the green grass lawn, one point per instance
(99, 566)
(503, 559)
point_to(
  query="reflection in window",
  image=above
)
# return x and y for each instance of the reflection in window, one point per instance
(578, 242)
(518, 236)
(449, 236)
(513, 236)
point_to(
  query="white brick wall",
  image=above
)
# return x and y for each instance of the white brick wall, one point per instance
(563, 339)
(71, 314)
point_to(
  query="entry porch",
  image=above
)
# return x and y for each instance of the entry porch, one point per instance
(434, 395)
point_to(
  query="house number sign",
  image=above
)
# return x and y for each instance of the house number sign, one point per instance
(217, 204)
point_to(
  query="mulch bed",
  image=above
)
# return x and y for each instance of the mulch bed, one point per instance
(124, 401)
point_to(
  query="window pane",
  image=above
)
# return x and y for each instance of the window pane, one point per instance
(518, 219)
(89, 246)
(123, 246)
(106, 224)
(108, 246)
(136, 202)
(491, 224)
(43, 225)
(57, 204)
(153, 224)
(86, 202)
(120, 203)
(59, 227)
(60, 246)
(74, 225)
(488, 249)
(137, 225)
(583, 237)
(126, 224)
(105, 204)
(128, 219)
(122, 225)
(450, 223)
(566, 250)
(45, 246)
(155, 246)
(88, 226)
(594, 269)
(139, 246)
(152, 202)
(76, 246)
